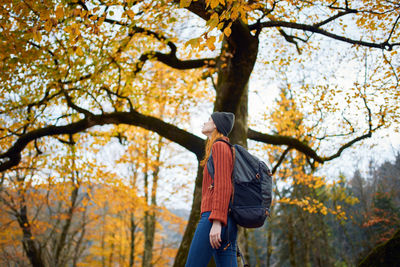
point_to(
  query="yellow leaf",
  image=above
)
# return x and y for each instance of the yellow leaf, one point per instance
(213, 21)
(210, 43)
(48, 25)
(130, 13)
(37, 36)
(220, 25)
(193, 42)
(227, 31)
(79, 52)
(77, 12)
(185, 3)
(101, 20)
(214, 3)
(59, 12)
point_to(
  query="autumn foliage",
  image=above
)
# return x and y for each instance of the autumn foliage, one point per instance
(98, 100)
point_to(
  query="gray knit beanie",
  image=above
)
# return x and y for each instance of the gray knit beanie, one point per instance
(223, 121)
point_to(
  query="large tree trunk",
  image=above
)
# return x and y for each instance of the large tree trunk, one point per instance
(237, 59)
(239, 133)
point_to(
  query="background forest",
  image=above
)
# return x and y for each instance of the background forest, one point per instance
(295, 236)
(100, 230)
(102, 101)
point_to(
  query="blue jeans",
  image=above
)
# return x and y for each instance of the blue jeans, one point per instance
(200, 251)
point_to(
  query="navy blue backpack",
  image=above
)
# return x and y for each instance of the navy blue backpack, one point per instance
(252, 188)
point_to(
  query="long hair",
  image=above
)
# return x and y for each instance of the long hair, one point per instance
(214, 136)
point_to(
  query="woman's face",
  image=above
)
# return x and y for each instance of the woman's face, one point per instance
(208, 127)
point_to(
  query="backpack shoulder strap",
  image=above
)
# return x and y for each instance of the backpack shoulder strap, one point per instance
(212, 170)
(226, 142)
(233, 155)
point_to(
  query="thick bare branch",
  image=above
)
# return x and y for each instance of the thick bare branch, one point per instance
(191, 142)
(172, 61)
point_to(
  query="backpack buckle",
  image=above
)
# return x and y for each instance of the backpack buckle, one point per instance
(267, 213)
(258, 176)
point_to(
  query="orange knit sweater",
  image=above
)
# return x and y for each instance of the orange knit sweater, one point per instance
(216, 199)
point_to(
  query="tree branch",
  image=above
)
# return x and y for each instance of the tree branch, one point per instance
(290, 39)
(338, 15)
(168, 59)
(172, 61)
(191, 142)
(394, 26)
(303, 147)
(314, 29)
(284, 140)
(72, 105)
(281, 158)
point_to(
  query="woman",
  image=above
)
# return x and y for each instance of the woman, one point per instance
(216, 232)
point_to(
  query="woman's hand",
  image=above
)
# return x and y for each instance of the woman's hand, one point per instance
(215, 234)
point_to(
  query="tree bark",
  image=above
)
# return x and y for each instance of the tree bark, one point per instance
(150, 216)
(254, 247)
(58, 259)
(132, 219)
(238, 56)
(132, 237)
(110, 258)
(269, 241)
(291, 242)
(31, 248)
(147, 238)
(194, 217)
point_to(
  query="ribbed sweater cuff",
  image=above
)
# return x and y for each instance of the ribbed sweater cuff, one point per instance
(220, 216)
